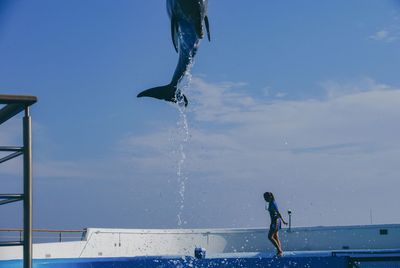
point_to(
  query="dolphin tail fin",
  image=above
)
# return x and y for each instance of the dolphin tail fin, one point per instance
(167, 93)
(206, 22)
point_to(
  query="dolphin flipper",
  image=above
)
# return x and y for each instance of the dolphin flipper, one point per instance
(167, 93)
(207, 27)
(174, 29)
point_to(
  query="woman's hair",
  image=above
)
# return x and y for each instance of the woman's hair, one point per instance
(269, 196)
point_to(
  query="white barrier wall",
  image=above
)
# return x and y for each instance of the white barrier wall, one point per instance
(138, 242)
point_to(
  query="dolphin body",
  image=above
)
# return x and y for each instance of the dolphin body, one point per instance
(187, 20)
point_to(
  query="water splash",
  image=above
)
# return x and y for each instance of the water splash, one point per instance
(184, 134)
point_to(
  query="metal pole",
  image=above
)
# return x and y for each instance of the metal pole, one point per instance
(27, 130)
(290, 220)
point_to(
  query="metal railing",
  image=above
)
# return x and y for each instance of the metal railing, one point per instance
(43, 235)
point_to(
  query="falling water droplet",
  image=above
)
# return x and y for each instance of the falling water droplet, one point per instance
(183, 129)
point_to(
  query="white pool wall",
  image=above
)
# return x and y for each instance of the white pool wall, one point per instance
(101, 242)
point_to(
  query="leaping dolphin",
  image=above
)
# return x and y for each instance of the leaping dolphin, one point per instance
(187, 20)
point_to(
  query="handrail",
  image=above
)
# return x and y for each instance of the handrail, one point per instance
(43, 230)
(48, 231)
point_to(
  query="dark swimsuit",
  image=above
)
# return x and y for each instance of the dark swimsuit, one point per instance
(275, 219)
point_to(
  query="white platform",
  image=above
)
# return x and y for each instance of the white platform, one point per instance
(144, 242)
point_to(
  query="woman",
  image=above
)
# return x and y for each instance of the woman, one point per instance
(276, 219)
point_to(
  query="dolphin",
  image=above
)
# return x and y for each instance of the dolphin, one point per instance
(188, 18)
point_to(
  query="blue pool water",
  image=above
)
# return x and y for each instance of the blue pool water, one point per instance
(183, 262)
(306, 259)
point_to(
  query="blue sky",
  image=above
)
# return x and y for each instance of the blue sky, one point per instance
(299, 98)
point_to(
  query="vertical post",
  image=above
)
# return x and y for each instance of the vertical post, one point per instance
(27, 130)
(290, 220)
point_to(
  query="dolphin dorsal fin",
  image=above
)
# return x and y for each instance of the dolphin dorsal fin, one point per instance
(207, 27)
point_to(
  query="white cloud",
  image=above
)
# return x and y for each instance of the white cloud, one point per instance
(56, 169)
(308, 152)
(281, 94)
(388, 35)
(380, 35)
(312, 149)
(335, 89)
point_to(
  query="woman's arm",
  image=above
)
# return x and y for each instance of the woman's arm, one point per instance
(283, 220)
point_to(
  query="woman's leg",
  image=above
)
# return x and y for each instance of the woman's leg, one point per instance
(271, 237)
(276, 238)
